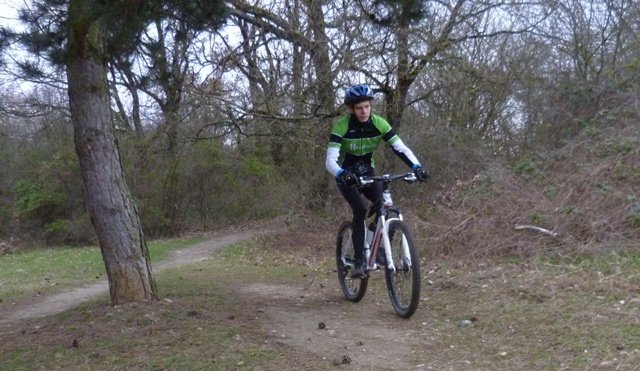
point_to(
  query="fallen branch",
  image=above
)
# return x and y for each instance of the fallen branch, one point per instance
(537, 229)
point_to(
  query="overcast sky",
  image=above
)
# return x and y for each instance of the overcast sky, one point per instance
(8, 12)
(9, 18)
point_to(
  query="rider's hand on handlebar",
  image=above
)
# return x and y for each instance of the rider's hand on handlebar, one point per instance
(421, 173)
(347, 178)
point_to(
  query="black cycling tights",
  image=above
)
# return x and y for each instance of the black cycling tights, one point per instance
(359, 206)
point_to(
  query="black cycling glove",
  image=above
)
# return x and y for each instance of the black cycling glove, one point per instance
(421, 173)
(346, 178)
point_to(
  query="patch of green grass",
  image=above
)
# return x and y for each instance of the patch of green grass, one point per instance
(634, 219)
(238, 251)
(248, 261)
(159, 250)
(623, 146)
(201, 322)
(604, 187)
(625, 263)
(537, 218)
(44, 270)
(531, 165)
(551, 190)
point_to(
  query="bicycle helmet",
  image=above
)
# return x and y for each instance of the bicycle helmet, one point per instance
(357, 93)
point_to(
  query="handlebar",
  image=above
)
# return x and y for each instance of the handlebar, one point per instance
(409, 177)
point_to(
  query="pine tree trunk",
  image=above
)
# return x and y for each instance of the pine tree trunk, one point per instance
(113, 213)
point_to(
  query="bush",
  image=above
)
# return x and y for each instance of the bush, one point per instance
(37, 205)
(585, 192)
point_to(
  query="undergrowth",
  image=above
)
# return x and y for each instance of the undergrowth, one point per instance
(581, 198)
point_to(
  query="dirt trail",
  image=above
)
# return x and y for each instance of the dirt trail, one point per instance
(320, 321)
(59, 302)
(312, 317)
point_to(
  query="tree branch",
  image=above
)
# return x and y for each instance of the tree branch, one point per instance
(537, 229)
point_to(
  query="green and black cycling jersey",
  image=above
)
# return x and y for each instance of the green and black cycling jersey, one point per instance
(352, 144)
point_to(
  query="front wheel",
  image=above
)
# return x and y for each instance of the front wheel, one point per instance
(403, 282)
(353, 288)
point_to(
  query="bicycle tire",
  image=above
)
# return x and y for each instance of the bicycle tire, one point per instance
(403, 284)
(352, 288)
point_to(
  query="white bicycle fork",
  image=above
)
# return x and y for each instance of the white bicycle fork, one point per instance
(387, 243)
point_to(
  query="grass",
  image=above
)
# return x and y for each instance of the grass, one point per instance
(201, 322)
(539, 313)
(536, 313)
(180, 330)
(44, 270)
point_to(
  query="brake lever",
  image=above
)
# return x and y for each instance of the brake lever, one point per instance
(410, 177)
(363, 181)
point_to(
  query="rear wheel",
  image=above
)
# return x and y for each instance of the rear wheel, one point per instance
(353, 288)
(403, 283)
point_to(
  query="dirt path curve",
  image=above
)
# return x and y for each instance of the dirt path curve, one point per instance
(313, 317)
(67, 299)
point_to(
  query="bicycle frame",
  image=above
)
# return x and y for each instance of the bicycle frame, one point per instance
(382, 233)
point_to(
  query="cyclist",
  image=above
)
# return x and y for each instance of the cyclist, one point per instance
(353, 140)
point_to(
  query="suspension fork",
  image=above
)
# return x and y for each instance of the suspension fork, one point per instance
(384, 227)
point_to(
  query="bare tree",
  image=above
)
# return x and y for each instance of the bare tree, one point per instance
(164, 57)
(302, 25)
(416, 33)
(306, 32)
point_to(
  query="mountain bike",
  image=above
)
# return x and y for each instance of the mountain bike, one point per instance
(392, 248)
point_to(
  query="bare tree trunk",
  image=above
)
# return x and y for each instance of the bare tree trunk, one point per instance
(171, 66)
(407, 70)
(172, 195)
(113, 213)
(396, 100)
(324, 81)
(129, 81)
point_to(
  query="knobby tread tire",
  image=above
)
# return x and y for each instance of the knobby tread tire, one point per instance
(352, 288)
(403, 285)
